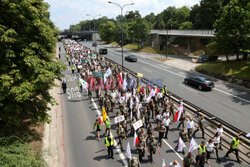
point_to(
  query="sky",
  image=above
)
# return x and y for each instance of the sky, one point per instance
(67, 12)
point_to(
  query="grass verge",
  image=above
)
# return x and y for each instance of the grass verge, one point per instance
(150, 49)
(163, 59)
(233, 68)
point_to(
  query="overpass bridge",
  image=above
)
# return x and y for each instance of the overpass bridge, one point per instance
(89, 35)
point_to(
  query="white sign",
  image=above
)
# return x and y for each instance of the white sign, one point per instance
(137, 125)
(119, 119)
(79, 66)
(84, 83)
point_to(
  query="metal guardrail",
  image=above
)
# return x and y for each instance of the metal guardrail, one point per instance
(213, 120)
(209, 33)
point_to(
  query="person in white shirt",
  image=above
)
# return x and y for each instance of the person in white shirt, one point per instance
(189, 127)
(210, 148)
(165, 114)
(158, 119)
(216, 143)
(220, 130)
(166, 121)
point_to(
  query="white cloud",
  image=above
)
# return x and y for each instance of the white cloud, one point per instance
(67, 12)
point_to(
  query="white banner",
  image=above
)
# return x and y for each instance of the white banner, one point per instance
(137, 125)
(84, 83)
(107, 73)
(119, 119)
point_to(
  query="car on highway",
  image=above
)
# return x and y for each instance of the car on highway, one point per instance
(131, 58)
(200, 82)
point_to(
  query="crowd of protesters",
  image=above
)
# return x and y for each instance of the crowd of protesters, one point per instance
(139, 101)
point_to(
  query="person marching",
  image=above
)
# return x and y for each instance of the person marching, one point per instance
(234, 147)
(121, 134)
(107, 126)
(73, 69)
(64, 86)
(161, 131)
(140, 146)
(202, 148)
(80, 85)
(217, 143)
(166, 121)
(109, 143)
(201, 126)
(188, 160)
(97, 128)
(152, 145)
(184, 136)
(134, 162)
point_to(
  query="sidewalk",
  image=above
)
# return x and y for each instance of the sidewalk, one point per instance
(53, 133)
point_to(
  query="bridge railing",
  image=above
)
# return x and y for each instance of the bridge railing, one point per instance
(184, 32)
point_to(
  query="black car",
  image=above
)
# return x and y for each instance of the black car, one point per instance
(131, 58)
(200, 82)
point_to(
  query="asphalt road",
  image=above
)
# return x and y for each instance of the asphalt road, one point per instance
(83, 150)
(227, 102)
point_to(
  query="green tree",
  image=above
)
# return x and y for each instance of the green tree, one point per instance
(182, 15)
(28, 64)
(140, 29)
(232, 29)
(107, 31)
(203, 16)
(187, 25)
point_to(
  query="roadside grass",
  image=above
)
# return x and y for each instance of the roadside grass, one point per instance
(163, 59)
(233, 68)
(113, 44)
(149, 49)
(21, 147)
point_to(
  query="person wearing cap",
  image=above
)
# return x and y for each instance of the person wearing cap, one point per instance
(121, 134)
(201, 124)
(175, 163)
(134, 162)
(109, 143)
(161, 131)
(188, 160)
(140, 147)
(234, 146)
(107, 126)
(152, 145)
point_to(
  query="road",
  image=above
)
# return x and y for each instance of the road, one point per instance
(83, 150)
(227, 102)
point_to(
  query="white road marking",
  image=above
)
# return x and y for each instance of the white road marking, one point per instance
(230, 94)
(147, 70)
(173, 149)
(115, 143)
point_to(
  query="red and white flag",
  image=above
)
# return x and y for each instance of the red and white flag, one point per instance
(193, 145)
(181, 145)
(120, 78)
(100, 119)
(136, 140)
(163, 163)
(178, 114)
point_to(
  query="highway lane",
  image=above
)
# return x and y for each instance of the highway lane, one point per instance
(81, 147)
(227, 102)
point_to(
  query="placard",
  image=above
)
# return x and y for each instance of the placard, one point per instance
(119, 119)
(137, 125)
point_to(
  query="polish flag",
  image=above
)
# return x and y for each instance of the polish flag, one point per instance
(120, 77)
(136, 140)
(157, 90)
(163, 163)
(178, 114)
(142, 89)
(128, 151)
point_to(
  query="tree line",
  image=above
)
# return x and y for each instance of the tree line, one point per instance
(229, 18)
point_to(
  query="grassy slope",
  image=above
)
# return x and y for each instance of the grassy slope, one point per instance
(149, 49)
(234, 68)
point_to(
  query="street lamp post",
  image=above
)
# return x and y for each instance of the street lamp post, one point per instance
(93, 18)
(121, 21)
(167, 37)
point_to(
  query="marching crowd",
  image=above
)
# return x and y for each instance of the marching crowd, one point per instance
(137, 101)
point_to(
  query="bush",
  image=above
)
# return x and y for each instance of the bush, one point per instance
(16, 152)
